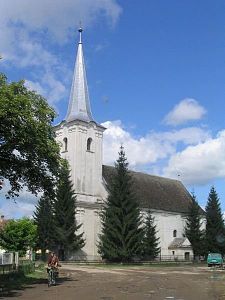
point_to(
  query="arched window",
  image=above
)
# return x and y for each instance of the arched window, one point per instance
(174, 233)
(89, 141)
(65, 143)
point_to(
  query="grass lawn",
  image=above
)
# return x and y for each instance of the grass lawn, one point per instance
(135, 265)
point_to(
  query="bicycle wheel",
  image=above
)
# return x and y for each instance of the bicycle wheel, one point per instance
(50, 279)
(53, 277)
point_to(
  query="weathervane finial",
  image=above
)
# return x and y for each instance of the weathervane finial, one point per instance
(80, 31)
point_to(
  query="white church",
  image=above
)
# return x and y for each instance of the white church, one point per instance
(80, 138)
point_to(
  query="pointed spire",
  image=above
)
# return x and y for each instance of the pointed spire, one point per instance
(79, 105)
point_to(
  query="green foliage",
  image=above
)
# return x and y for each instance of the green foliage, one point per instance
(121, 238)
(43, 217)
(29, 154)
(26, 267)
(193, 228)
(150, 240)
(215, 233)
(18, 235)
(66, 227)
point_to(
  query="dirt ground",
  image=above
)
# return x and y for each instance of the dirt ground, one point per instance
(133, 283)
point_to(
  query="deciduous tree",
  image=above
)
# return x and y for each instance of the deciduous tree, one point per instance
(18, 235)
(29, 154)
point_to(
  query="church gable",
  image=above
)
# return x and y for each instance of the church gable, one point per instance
(156, 192)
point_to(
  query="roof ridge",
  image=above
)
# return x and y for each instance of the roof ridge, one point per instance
(147, 174)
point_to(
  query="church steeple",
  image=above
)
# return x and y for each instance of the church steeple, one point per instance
(79, 105)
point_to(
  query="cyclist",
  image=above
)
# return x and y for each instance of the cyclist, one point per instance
(53, 264)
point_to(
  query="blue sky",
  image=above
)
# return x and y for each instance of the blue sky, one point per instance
(155, 73)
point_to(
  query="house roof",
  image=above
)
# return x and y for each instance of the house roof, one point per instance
(179, 243)
(156, 192)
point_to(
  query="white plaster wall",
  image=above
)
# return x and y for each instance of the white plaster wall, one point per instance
(166, 223)
(180, 253)
(89, 218)
(86, 166)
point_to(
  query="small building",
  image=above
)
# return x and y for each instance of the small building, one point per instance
(181, 249)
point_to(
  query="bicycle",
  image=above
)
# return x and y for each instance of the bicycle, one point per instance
(51, 276)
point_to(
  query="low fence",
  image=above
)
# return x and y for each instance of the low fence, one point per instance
(6, 258)
(10, 262)
(174, 258)
(91, 259)
(7, 262)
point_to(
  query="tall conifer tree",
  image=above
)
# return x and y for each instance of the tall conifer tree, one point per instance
(193, 228)
(150, 240)
(121, 237)
(215, 233)
(67, 236)
(43, 217)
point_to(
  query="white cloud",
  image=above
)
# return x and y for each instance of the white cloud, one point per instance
(35, 86)
(100, 47)
(187, 110)
(150, 148)
(57, 17)
(49, 87)
(29, 29)
(188, 135)
(11, 209)
(22, 206)
(201, 163)
(56, 89)
(192, 153)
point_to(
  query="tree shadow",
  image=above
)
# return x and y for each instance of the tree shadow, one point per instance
(12, 285)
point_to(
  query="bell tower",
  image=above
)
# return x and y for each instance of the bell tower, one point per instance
(80, 137)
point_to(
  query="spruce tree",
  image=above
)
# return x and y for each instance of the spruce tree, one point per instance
(193, 228)
(215, 239)
(67, 236)
(43, 218)
(121, 237)
(150, 240)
